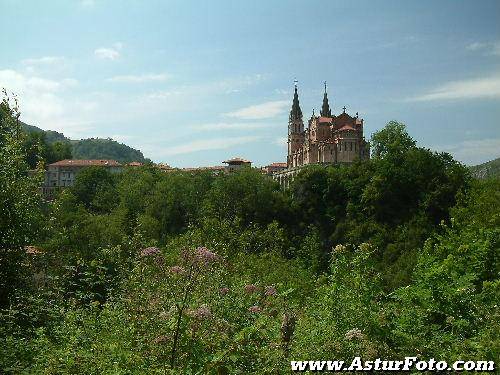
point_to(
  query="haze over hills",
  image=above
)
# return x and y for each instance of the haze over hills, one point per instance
(92, 148)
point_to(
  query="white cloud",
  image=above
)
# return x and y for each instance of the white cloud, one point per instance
(488, 87)
(47, 103)
(473, 151)
(231, 126)
(207, 144)
(489, 48)
(87, 3)
(16, 82)
(45, 60)
(138, 78)
(109, 53)
(260, 111)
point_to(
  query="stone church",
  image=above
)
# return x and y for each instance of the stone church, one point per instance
(329, 138)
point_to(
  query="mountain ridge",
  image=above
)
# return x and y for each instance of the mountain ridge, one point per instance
(485, 170)
(91, 148)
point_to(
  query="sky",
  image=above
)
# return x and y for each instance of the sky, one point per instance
(193, 83)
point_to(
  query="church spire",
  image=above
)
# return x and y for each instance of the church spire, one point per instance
(295, 113)
(325, 109)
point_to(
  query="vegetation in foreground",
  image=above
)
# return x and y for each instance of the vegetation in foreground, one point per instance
(151, 272)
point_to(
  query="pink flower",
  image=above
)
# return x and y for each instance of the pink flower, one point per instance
(224, 291)
(251, 288)
(204, 255)
(270, 291)
(199, 256)
(202, 312)
(255, 309)
(160, 339)
(177, 270)
(354, 333)
(148, 251)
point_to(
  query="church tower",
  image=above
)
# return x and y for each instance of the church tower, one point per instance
(325, 108)
(295, 128)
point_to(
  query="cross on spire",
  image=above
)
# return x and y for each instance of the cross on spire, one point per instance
(296, 112)
(295, 82)
(325, 108)
(343, 108)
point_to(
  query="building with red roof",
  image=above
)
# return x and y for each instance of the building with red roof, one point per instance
(235, 164)
(63, 173)
(329, 138)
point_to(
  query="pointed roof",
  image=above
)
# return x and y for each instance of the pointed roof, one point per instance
(325, 108)
(296, 112)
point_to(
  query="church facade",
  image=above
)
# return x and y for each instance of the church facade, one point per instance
(328, 138)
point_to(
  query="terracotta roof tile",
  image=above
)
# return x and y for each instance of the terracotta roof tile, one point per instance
(324, 119)
(85, 163)
(236, 160)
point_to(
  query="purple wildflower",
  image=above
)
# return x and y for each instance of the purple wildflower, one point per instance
(202, 312)
(270, 291)
(177, 270)
(255, 309)
(202, 254)
(160, 339)
(148, 251)
(354, 333)
(251, 288)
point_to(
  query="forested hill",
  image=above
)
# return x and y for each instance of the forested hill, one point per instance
(488, 169)
(98, 148)
(91, 148)
(51, 136)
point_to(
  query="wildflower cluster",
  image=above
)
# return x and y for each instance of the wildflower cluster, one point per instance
(354, 333)
(149, 251)
(201, 313)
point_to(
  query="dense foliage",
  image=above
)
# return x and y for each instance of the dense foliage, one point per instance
(19, 208)
(52, 146)
(155, 272)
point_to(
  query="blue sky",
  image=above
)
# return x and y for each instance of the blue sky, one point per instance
(192, 83)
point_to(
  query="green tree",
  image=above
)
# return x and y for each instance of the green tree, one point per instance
(58, 151)
(19, 201)
(95, 187)
(245, 197)
(35, 148)
(392, 140)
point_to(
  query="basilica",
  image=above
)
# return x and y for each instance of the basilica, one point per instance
(328, 139)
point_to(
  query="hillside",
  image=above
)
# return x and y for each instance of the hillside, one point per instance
(485, 170)
(92, 148)
(51, 136)
(98, 148)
